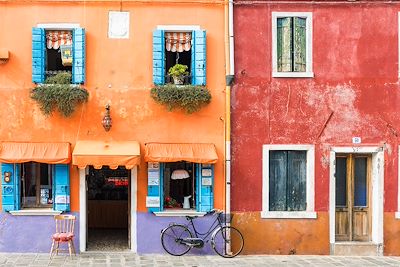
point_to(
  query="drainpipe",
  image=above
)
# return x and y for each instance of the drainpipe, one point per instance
(229, 72)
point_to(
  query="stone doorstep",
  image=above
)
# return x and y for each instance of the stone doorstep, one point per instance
(355, 249)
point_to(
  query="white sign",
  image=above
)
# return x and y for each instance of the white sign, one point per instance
(62, 200)
(356, 140)
(153, 166)
(206, 172)
(118, 25)
(153, 178)
(152, 202)
(206, 181)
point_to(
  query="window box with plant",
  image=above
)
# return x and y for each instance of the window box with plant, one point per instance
(57, 93)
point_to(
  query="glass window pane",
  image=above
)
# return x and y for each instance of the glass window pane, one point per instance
(341, 182)
(360, 182)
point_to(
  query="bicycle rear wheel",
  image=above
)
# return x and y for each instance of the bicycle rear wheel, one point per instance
(227, 242)
(171, 239)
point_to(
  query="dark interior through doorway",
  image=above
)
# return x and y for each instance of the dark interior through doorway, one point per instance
(108, 208)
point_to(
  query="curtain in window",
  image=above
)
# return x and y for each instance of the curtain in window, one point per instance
(54, 39)
(178, 41)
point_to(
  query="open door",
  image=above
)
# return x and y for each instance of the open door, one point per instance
(353, 198)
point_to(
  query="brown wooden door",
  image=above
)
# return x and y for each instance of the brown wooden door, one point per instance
(353, 212)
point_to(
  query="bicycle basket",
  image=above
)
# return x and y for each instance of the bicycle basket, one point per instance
(225, 217)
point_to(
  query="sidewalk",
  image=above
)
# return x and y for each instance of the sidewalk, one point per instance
(130, 259)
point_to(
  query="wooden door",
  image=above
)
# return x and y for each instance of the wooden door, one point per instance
(353, 201)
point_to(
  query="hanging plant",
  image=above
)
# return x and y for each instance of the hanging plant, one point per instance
(58, 93)
(190, 98)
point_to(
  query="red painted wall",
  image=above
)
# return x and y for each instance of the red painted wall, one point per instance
(355, 64)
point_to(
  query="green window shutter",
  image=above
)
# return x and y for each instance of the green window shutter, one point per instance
(284, 44)
(299, 45)
(155, 184)
(296, 180)
(277, 180)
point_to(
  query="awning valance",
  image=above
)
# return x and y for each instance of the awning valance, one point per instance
(20, 152)
(102, 153)
(56, 38)
(198, 153)
(178, 41)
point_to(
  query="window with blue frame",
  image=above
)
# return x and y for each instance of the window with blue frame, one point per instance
(185, 48)
(55, 51)
(35, 185)
(170, 183)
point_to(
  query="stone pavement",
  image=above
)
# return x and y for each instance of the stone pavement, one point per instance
(131, 259)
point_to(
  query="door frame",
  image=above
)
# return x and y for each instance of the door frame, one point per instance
(83, 209)
(377, 182)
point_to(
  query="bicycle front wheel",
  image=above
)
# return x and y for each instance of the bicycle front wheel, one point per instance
(171, 239)
(227, 242)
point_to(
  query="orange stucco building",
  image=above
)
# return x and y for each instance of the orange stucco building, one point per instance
(118, 65)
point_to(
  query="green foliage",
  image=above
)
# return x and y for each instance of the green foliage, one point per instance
(60, 78)
(187, 97)
(58, 93)
(178, 70)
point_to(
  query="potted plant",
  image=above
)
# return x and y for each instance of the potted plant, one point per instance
(178, 73)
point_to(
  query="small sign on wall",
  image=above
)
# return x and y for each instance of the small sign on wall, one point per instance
(152, 202)
(118, 25)
(62, 200)
(206, 181)
(356, 140)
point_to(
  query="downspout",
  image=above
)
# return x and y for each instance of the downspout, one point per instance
(229, 72)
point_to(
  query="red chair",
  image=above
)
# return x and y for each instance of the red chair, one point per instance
(64, 234)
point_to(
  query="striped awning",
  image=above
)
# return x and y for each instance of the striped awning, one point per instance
(56, 38)
(178, 41)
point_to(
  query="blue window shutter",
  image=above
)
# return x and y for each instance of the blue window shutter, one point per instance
(61, 188)
(296, 180)
(205, 187)
(78, 57)
(157, 190)
(198, 66)
(158, 57)
(38, 55)
(10, 191)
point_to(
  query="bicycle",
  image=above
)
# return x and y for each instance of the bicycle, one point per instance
(226, 241)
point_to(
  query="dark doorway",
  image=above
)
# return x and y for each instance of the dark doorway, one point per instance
(108, 208)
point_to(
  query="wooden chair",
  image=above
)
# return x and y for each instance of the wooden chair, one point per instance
(64, 234)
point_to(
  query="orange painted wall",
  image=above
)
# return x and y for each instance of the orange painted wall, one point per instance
(294, 236)
(119, 72)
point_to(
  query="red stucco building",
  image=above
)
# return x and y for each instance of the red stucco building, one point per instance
(315, 127)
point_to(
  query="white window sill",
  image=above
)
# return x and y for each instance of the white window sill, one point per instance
(276, 74)
(35, 212)
(397, 215)
(288, 215)
(178, 213)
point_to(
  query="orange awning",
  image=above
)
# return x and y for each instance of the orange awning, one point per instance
(51, 153)
(101, 153)
(199, 153)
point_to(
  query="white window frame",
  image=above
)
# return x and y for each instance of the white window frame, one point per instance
(309, 213)
(309, 66)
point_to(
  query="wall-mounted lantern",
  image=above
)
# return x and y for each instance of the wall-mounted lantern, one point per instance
(107, 121)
